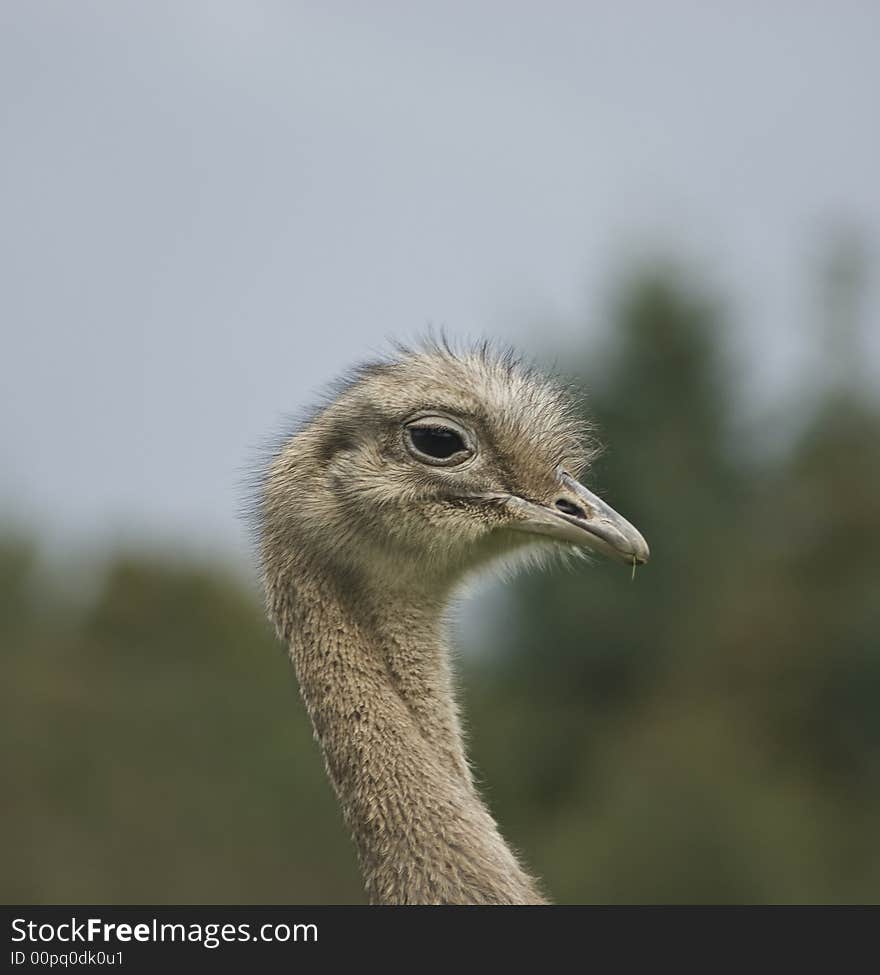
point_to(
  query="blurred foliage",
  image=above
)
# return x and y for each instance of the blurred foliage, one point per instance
(708, 733)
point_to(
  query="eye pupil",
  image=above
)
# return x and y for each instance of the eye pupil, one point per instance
(438, 442)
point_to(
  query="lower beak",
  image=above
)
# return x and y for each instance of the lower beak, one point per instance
(579, 517)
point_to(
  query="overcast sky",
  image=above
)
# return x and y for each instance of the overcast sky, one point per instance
(209, 208)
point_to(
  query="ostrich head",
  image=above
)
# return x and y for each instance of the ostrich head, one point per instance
(428, 465)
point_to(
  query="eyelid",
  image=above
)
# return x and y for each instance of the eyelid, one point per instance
(428, 424)
(431, 421)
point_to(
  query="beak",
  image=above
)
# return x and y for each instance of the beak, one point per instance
(580, 518)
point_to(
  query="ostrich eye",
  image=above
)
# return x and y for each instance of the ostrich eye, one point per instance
(437, 443)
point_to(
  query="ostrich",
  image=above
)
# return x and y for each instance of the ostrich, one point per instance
(422, 469)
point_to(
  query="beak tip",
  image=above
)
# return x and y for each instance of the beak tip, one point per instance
(641, 554)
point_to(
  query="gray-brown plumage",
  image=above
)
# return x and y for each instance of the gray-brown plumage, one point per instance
(423, 469)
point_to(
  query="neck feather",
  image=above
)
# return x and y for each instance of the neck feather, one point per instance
(378, 688)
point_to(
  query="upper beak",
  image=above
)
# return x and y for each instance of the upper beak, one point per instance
(577, 516)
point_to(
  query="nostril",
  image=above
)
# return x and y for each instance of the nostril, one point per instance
(563, 504)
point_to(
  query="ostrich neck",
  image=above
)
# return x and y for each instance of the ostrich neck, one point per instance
(378, 689)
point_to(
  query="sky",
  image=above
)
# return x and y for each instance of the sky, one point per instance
(208, 209)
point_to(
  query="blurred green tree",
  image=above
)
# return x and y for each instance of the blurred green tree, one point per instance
(710, 731)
